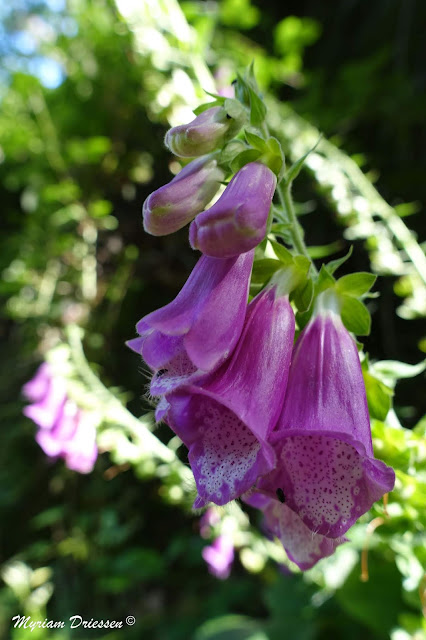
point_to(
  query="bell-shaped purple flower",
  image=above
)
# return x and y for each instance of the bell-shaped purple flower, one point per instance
(325, 463)
(64, 430)
(206, 133)
(198, 331)
(219, 557)
(237, 221)
(304, 547)
(226, 419)
(174, 205)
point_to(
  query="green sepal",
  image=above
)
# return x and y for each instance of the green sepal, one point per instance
(209, 105)
(231, 151)
(379, 396)
(243, 158)
(355, 315)
(284, 255)
(264, 269)
(356, 284)
(256, 141)
(325, 280)
(303, 295)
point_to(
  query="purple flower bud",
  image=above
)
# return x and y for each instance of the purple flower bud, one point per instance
(172, 206)
(198, 331)
(326, 466)
(302, 546)
(237, 221)
(219, 557)
(226, 419)
(206, 133)
(64, 430)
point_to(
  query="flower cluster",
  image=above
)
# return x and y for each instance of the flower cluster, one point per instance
(284, 426)
(64, 430)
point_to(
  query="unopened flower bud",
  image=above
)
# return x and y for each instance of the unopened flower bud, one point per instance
(207, 132)
(174, 205)
(237, 222)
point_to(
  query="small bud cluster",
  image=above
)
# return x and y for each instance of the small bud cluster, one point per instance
(284, 427)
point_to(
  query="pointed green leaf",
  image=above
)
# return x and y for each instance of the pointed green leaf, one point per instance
(205, 106)
(333, 265)
(257, 109)
(295, 168)
(356, 284)
(321, 251)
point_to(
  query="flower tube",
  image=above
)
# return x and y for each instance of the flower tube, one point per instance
(325, 462)
(226, 419)
(198, 331)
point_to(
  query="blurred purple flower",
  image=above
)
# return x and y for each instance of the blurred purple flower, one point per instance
(64, 430)
(302, 546)
(206, 133)
(172, 206)
(219, 557)
(226, 419)
(198, 331)
(237, 221)
(326, 467)
(208, 520)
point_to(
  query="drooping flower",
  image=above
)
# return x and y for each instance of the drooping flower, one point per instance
(237, 221)
(172, 206)
(198, 331)
(225, 420)
(304, 547)
(64, 430)
(219, 556)
(206, 133)
(325, 462)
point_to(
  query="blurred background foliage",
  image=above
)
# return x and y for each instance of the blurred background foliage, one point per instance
(88, 88)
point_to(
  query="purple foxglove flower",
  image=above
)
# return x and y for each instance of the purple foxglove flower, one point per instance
(172, 206)
(198, 331)
(64, 430)
(206, 133)
(49, 394)
(237, 221)
(226, 419)
(302, 546)
(36, 388)
(219, 557)
(326, 467)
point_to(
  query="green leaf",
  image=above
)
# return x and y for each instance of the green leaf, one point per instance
(243, 158)
(231, 151)
(264, 269)
(295, 168)
(333, 265)
(321, 251)
(355, 316)
(230, 627)
(379, 396)
(397, 370)
(233, 108)
(257, 109)
(356, 284)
